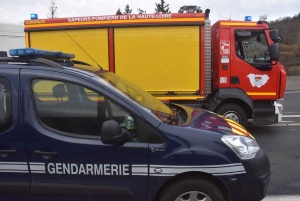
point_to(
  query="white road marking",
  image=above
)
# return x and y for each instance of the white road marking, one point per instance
(291, 100)
(286, 121)
(282, 198)
(293, 116)
(292, 92)
(287, 124)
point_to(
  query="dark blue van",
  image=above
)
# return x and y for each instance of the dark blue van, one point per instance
(69, 134)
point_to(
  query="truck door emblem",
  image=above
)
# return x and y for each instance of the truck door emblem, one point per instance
(225, 47)
(158, 170)
(257, 80)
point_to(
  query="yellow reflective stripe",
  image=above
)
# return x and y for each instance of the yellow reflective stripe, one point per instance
(237, 132)
(236, 124)
(251, 136)
(167, 93)
(261, 93)
(180, 97)
(239, 23)
(233, 123)
(239, 128)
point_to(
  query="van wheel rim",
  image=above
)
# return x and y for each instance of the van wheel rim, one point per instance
(193, 196)
(233, 116)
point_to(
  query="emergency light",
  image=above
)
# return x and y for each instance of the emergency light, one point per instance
(32, 52)
(33, 16)
(248, 18)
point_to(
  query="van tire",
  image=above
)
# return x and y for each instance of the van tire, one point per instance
(233, 111)
(191, 187)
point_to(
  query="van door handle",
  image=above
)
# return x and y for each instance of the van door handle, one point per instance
(46, 153)
(10, 151)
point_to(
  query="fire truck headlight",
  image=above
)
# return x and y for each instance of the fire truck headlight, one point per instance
(244, 147)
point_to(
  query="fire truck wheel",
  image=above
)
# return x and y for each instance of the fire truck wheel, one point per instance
(234, 112)
(192, 189)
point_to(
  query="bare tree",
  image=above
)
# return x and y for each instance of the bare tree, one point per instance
(52, 9)
(140, 11)
(288, 28)
(127, 10)
(162, 7)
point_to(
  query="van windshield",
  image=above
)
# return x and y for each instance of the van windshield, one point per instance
(135, 93)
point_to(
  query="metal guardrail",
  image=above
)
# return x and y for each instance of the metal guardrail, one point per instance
(293, 83)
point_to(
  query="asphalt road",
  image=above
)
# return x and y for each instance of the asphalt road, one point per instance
(282, 144)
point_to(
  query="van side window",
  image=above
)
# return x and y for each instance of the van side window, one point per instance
(5, 105)
(73, 109)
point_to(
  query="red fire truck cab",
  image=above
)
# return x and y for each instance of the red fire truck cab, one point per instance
(246, 74)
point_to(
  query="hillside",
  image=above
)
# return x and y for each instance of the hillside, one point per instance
(289, 31)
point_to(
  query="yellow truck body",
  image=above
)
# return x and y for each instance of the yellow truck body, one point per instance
(164, 58)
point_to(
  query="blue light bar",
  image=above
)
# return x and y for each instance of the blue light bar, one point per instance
(31, 52)
(34, 16)
(248, 18)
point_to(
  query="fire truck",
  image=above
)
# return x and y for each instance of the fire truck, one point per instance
(230, 67)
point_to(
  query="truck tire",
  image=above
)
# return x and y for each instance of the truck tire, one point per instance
(234, 112)
(192, 189)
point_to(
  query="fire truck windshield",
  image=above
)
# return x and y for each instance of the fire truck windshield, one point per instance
(253, 49)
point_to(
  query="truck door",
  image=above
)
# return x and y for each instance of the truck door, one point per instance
(250, 63)
(14, 172)
(63, 116)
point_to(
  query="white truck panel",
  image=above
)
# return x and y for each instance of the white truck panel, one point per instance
(11, 36)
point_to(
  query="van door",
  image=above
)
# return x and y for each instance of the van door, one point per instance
(63, 116)
(14, 172)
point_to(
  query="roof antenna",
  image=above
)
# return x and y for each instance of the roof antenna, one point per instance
(82, 50)
(226, 17)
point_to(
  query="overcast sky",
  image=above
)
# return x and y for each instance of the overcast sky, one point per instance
(16, 11)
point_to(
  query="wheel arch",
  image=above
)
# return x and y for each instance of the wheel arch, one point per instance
(239, 102)
(232, 95)
(200, 175)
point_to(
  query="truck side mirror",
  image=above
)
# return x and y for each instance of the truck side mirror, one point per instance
(274, 52)
(274, 35)
(111, 133)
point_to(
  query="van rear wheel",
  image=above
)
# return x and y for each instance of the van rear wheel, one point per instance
(192, 189)
(234, 112)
